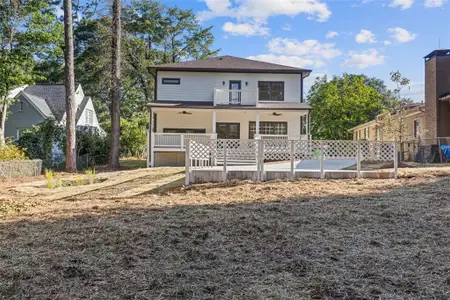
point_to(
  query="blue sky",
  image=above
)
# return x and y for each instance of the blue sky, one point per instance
(331, 37)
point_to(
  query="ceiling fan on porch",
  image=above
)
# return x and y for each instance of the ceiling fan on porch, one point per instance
(276, 114)
(184, 113)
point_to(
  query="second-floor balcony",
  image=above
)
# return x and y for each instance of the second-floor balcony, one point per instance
(235, 97)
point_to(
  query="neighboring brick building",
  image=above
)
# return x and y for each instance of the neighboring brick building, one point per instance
(437, 88)
(413, 122)
(422, 121)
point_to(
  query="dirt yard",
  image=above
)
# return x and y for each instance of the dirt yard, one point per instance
(308, 239)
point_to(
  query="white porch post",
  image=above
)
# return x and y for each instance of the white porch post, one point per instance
(213, 129)
(257, 123)
(307, 125)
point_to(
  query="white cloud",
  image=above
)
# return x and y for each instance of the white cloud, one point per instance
(309, 48)
(331, 34)
(364, 59)
(261, 10)
(247, 29)
(365, 36)
(289, 60)
(287, 27)
(434, 3)
(403, 4)
(386, 43)
(401, 35)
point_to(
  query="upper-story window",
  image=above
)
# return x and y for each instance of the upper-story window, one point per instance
(416, 129)
(271, 90)
(171, 81)
(89, 117)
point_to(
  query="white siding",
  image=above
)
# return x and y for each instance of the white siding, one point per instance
(199, 86)
(82, 119)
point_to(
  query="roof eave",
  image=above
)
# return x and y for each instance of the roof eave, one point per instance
(305, 72)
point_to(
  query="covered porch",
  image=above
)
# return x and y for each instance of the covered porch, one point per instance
(171, 127)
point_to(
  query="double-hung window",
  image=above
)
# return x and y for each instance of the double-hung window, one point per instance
(271, 90)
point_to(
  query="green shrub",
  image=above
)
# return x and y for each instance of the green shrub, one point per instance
(11, 152)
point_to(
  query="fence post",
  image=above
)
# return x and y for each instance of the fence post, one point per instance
(292, 160)
(358, 159)
(187, 164)
(225, 145)
(395, 160)
(152, 149)
(322, 171)
(261, 158)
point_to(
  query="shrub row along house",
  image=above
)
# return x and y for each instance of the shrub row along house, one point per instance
(420, 121)
(226, 98)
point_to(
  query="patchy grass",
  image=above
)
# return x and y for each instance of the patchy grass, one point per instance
(310, 239)
(133, 163)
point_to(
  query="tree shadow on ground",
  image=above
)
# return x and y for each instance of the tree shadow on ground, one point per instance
(393, 244)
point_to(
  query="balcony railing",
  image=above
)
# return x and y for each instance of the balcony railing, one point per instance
(282, 137)
(235, 97)
(177, 140)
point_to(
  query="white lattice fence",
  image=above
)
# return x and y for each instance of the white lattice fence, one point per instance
(211, 153)
(377, 151)
(20, 168)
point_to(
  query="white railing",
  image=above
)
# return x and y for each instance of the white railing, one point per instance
(235, 97)
(282, 137)
(177, 140)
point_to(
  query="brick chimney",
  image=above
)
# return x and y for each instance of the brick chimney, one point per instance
(437, 84)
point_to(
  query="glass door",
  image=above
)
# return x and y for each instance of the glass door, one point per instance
(235, 92)
(228, 130)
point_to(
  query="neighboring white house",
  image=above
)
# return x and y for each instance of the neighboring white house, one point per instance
(226, 98)
(36, 103)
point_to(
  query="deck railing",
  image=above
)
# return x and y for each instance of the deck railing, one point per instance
(235, 97)
(282, 137)
(177, 140)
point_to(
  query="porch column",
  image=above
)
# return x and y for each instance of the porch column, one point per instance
(151, 141)
(213, 122)
(257, 123)
(307, 125)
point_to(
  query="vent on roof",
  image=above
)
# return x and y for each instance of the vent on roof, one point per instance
(220, 58)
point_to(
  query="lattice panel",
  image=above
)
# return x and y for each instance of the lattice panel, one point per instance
(240, 150)
(340, 149)
(306, 150)
(277, 149)
(377, 151)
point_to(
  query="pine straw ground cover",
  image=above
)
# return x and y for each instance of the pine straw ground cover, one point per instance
(308, 239)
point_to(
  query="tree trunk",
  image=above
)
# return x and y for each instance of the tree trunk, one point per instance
(69, 82)
(116, 87)
(3, 111)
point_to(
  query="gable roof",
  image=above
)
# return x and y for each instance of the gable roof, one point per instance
(232, 64)
(50, 99)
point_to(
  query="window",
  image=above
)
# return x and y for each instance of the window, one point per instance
(271, 90)
(171, 81)
(416, 129)
(268, 128)
(89, 117)
(21, 106)
(183, 130)
(20, 132)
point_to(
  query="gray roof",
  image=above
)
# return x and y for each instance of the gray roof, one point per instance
(229, 63)
(210, 105)
(48, 97)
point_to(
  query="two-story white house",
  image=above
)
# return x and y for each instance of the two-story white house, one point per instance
(224, 97)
